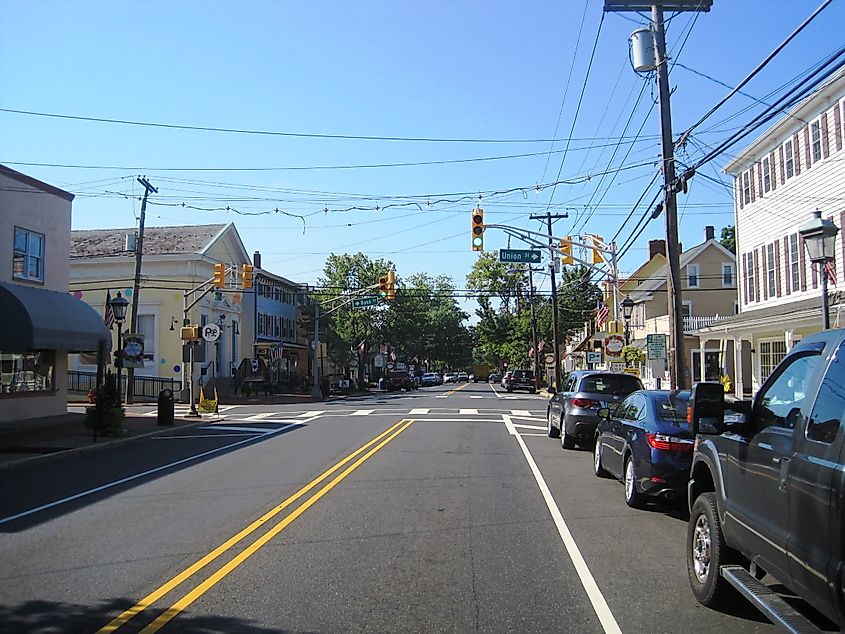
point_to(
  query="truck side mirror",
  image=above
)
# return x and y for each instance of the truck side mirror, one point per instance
(551, 390)
(706, 408)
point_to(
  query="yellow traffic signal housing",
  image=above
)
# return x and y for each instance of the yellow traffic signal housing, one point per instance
(391, 285)
(383, 286)
(220, 275)
(190, 333)
(566, 251)
(598, 256)
(478, 229)
(247, 275)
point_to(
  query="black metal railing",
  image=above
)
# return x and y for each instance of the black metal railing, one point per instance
(148, 386)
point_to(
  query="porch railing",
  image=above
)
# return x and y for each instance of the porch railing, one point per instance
(695, 322)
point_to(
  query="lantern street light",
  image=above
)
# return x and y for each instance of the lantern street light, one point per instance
(119, 305)
(820, 239)
(627, 311)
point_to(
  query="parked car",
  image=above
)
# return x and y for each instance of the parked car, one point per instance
(646, 443)
(450, 377)
(573, 412)
(399, 380)
(495, 377)
(429, 379)
(462, 376)
(521, 380)
(767, 487)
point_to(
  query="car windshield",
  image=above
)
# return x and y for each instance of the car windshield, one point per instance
(615, 384)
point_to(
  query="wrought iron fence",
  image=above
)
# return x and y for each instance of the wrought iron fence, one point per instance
(148, 386)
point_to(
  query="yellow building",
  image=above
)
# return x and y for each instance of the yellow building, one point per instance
(175, 260)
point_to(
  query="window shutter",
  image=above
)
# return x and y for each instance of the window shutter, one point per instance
(745, 278)
(787, 273)
(802, 263)
(825, 139)
(796, 154)
(808, 157)
(751, 182)
(757, 274)
(782, 167)
(837, 127)
(739, 195)
(773, 176)
(841, 238)
(777, 268)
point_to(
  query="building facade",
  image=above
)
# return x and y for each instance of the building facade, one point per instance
(794, 168)
(40, 323)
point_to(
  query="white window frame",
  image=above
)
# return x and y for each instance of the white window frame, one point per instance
(767, 175)
(750, 280)
(816, 140)
(746, 188)
(770, 356)
(27, 256)
(794, 264)
(790, 159)
(771, 282)
(687, 303)
(693, 273)
(729, 268)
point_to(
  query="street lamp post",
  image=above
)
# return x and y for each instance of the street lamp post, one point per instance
(627, 311)
(119, 305)
(820, 239)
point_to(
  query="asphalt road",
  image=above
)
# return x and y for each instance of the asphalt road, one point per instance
(446, 509)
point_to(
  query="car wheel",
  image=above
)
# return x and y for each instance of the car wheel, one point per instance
(707, 552)
(566, 440)
(597, 468)
(554, 432)
(633, 498)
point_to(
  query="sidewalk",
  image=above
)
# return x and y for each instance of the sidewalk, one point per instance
(22, 442)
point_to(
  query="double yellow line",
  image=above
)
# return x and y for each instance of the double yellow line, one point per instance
(367, 450)
(450, 392)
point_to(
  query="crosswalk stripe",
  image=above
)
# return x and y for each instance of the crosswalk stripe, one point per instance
(521, 412)
(443, 396)
(311, 414)
(258, 430)
(362, 412)
(260, 416)
(476, 397)
(419, 410)
(470, 412)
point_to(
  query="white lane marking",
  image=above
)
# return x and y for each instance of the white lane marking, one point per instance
(443, 396)
(255, 430)
(468, 412)
(543, 435)
(313, 414)
(522, 413)
(476, 397)
(143, 474)
(590, 586)
(419, 410)
(202, 436)
(528, 426)
(362, 412)
(494, 390)
(462, 420)
(260, 416)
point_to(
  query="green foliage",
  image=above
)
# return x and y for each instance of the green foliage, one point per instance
(728, 238)
(633, 356)
(106, 416)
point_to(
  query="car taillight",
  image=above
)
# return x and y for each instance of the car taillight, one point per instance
(669, 443)
(584, 403)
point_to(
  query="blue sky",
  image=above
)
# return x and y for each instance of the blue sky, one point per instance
(465, 71)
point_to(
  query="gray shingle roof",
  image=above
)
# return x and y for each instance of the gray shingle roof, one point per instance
(157, 240)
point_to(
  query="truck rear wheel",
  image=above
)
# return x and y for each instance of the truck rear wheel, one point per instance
(707, 552)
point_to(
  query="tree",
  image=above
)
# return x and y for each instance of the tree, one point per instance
(728, 238)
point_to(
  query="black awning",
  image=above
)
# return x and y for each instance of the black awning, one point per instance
(38, 319)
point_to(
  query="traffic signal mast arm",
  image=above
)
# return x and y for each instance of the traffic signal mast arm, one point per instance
(350, 297)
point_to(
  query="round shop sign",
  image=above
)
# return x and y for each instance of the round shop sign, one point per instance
(353, 364)
(613, 345)
(211, 332)
(550, 359)
(390, 365)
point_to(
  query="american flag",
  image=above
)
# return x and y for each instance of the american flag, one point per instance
(275, 353)
(830, 271)
(541, 345)
(108, 312)
(361, 346)
(602, 313)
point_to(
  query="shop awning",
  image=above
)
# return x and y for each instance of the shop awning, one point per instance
(38, 319)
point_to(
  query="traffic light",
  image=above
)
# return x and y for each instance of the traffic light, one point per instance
(598, 256)
(391, 285)
(478, 229)
(566, 251)
(190, 333)
(220, 275)
(383, 286)
(247, 275)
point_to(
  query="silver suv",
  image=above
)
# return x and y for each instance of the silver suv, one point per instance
(573, 413)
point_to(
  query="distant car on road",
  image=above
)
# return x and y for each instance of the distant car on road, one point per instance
(495, 377)
(463, 376)
(429, 379)
(521, 380)
(646, 443)
(573, 412)
(450, 377)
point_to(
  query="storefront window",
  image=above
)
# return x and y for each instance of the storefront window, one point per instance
(22, 372)
(771, 353)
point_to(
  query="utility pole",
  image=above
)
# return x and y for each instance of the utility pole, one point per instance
(316, 394)
(139, 252)
(673, 257)
(548, 217)
(534, 326)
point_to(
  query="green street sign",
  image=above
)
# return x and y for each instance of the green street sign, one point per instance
(364, 301)
(519, 255)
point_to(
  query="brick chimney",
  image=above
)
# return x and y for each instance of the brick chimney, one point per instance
(709, 232)
(655, 247)
(256, 259)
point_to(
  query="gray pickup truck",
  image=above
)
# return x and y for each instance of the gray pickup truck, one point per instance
(767, 488)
